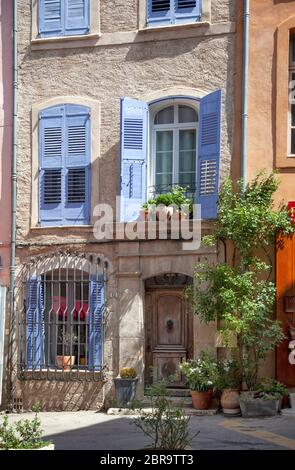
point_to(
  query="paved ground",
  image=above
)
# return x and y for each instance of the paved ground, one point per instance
(87, 430)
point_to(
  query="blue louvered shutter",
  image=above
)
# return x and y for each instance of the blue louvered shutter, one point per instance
(76, 17)
(50, 18)
(65, 149)
(95, 325)
(35, 336)
(158, 12)
(52, 149)
(77, 165)
(209, 154)
(187, 10)
(134, 123)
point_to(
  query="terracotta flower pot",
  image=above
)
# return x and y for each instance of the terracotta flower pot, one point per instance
(230, 401)
(144, 215)
(202, 400)
(65, 362)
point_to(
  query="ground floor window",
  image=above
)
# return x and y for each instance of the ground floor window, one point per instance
(61, 326)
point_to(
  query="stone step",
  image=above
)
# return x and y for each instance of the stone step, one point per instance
(176, 392)
(176, 401)
(189, 411)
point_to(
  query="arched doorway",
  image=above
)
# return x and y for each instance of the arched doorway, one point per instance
(168, 327)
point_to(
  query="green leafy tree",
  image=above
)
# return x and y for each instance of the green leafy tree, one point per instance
(240, 296)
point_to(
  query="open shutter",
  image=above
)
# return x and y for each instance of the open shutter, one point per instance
(187, 10)
(158, 12)
(133, 157)
(50, 18)
(51, 144)
(77, 163)
(76, 17)
(35, 323)
(209, 154)
(95, 327)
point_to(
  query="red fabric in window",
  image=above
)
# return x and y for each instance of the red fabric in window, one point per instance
(60, 309)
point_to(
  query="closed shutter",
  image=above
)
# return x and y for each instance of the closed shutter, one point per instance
(187, 10)
(76, 17)
(95, 325)
(133, 157)
(77, 165)
(209, 154)
(65, 165)
(158, 12)
(35, 323)
(50, 18)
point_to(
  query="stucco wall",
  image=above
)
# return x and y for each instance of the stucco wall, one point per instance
(205, 62)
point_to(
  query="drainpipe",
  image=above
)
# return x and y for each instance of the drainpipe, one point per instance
(13, 212)
(246, 22)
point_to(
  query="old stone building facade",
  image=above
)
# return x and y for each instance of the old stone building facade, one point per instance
(117, 299)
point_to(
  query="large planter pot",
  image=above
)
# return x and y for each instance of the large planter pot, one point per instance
(252, 407)
(125, 390)
(230, 401)
(65, 362)
(201, 400)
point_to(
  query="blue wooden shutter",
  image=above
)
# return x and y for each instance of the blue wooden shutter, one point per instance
(50, 18)
(76, 17)
(187, 10)
(158, 12)
(95, 326)
(77, 165)
(134, 123)
(209, 154)
(52, 148)
(35, 323)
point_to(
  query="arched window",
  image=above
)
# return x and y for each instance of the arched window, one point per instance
(174, 148)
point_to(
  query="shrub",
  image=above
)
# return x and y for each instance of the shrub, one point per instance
(24, 434)
(165, 425)
(128, 373)
(201, 374)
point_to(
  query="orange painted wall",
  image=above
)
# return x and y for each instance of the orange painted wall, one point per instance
(265, 17)
(5, 135)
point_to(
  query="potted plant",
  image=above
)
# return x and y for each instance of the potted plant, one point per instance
(238, 292)
(201, 375)
(66, 360)
(125, 386)
(265, 401)
(24, 434)
(173, 204)
(229, 382)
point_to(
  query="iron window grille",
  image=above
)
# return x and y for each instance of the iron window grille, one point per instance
(61, 319)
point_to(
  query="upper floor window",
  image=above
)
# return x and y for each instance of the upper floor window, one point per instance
(161, 12)
(174, 147)
(183, 148)
(64, 155)
(292, 101)
(63, 18)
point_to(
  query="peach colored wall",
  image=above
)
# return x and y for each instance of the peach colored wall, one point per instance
(265, 17)
(5, 135)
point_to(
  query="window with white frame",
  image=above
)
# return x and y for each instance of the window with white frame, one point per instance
(174, 130)
(292, 100)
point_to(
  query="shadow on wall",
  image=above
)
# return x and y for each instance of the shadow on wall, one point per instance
(62, 396)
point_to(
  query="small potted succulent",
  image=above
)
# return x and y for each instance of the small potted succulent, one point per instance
(201, 375)
(125, 386)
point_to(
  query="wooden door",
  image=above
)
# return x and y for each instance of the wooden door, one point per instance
(168, 335)
(285, 283)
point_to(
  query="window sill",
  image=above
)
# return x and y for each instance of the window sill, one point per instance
(84, 228)
(174, 27)
(62, 375)
(64, 41)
